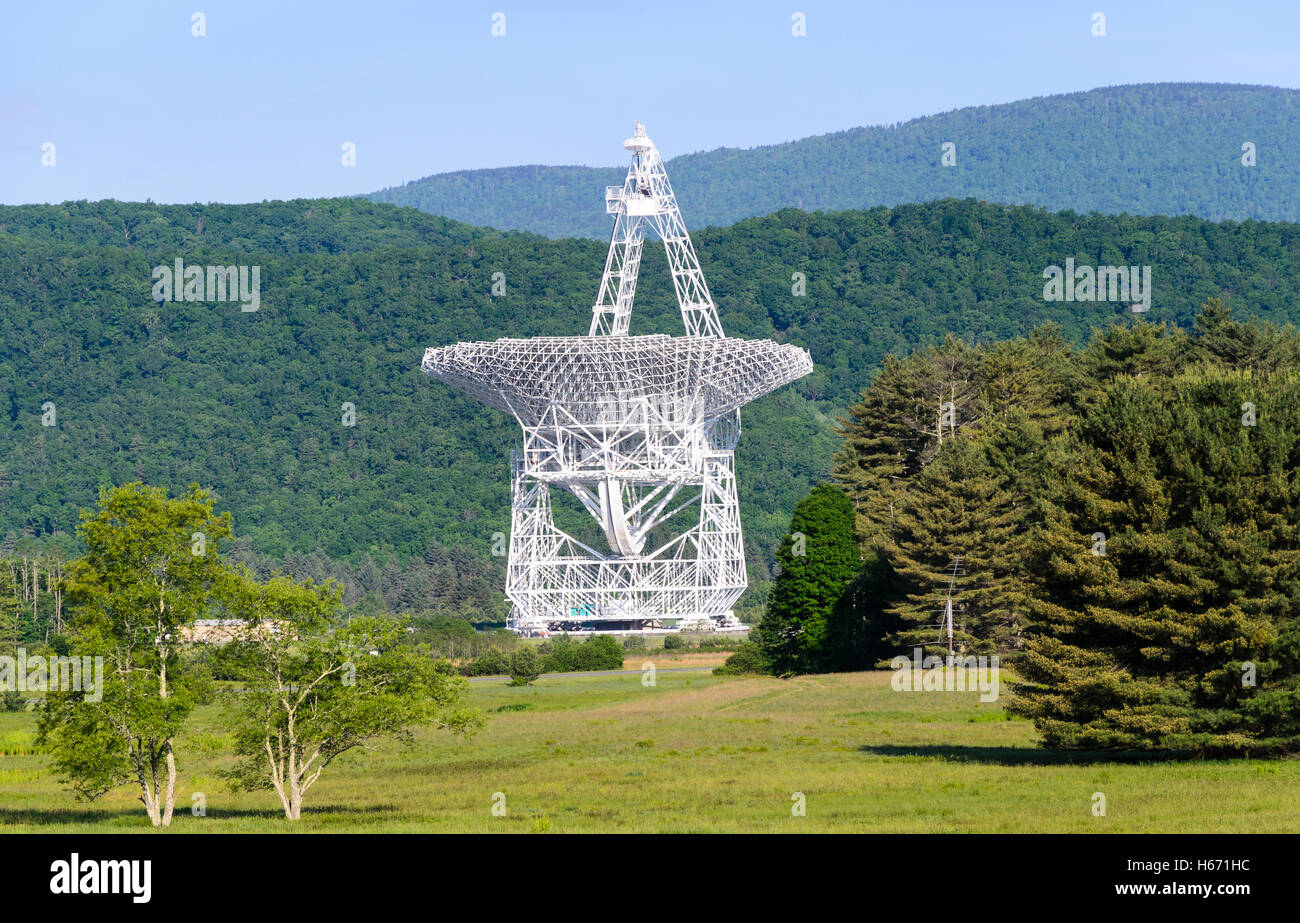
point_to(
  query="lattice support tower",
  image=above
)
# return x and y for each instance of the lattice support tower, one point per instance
(640, 429)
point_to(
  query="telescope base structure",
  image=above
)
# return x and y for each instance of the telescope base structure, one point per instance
(640, 429)
(557, 583)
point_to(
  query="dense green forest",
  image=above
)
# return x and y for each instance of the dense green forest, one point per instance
(979, 451)
(1122, 520)
(403, 506)
(1152, 149)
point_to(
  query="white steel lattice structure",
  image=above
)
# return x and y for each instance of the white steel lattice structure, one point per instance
(641, 429)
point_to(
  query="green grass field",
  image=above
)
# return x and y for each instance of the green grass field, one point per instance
(698, 753)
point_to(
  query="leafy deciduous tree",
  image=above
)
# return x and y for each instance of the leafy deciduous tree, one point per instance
(145, 577)
(315, 690)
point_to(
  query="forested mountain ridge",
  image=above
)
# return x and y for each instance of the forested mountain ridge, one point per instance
(251, 404)
(1154, 149)
(284, 227)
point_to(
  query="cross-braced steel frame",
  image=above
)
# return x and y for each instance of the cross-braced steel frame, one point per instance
(642, 430)
(646, 198)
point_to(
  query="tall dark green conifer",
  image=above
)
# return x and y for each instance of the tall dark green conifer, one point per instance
(1252, 346)
(958, 506)
(898, 426)
(916, 405)
(819, 559)
(859, 624)
(1141, 348)
(1167, 572)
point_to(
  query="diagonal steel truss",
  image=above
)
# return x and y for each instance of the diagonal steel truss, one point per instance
(646, 198)
(641, 430)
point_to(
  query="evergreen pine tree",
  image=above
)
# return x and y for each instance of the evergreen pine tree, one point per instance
(1140, 348)
(958, 507)
(818, 560)
(1166, 573)
(1251, 346)
(898, 426)
(860, 622)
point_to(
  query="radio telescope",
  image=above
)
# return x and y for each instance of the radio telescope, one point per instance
(641, 429)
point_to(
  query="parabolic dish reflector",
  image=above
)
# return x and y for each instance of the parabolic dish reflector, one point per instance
(595, 379)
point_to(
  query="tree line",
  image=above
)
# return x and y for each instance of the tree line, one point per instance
(33, 581)
(250, 404)
(1119, 521)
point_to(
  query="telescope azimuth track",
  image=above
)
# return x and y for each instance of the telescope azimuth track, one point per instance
(638, 428)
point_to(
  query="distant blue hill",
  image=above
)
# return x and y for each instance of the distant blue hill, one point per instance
(1151, 149)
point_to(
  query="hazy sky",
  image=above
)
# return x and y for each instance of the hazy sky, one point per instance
(258, 108)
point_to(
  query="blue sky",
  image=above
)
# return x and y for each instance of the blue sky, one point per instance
(259, 107)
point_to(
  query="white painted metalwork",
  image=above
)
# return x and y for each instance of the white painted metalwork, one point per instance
(641, 429)
(646, 198)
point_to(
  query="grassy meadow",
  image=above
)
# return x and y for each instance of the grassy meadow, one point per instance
(695, 753)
